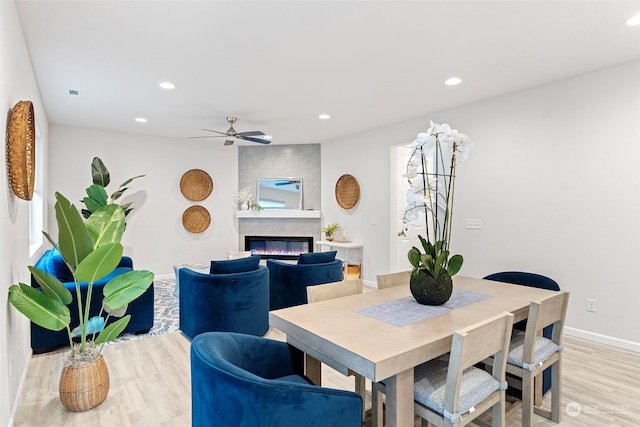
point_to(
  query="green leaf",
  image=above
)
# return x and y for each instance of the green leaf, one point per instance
(414, 257)
(51, 285)
(113, 330)
(106, 225)
(127, 182)
(115, 312)
(125, 288)
(75, 243)
(43, 310)
(455, 263)
(439, 262)
(427, 262)
(98, 194)
(99, 172)
(425, 245)
(118, 193)
(99, 263)
(91, 205)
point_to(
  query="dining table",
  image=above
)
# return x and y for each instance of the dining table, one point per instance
(383, 334)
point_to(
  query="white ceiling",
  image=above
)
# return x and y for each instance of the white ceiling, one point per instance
(277, 64)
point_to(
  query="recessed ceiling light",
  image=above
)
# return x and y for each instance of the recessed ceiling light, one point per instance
(453, 81)
(324, 116)
(167, 85)
(141, 120)
(267, 137)
(634, 20)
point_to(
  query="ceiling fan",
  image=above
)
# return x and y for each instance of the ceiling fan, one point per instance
(231, 133)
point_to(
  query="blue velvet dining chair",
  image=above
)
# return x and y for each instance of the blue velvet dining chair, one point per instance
(240, 380)
(227, 300)
(533, 280)
(288, 282)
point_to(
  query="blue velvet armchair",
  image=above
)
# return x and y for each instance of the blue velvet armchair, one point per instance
(241, 380)
(288, 282)
(231, 302)
(141, 310)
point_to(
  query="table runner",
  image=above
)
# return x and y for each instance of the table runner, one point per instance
(405, 311)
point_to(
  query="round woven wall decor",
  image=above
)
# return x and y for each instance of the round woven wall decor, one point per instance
(196, 185)
(196, 219)
(21, 149)
(347, 191)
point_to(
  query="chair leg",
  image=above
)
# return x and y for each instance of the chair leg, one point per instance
(527, 398)
(498, 411)
(556, 386)
(377, 415)
(362, 391)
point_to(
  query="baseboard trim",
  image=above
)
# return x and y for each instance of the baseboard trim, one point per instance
(603, 339)
(23, 379)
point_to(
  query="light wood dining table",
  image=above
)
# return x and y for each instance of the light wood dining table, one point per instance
(335, 333)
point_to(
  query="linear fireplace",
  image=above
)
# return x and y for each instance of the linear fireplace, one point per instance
(279, 247)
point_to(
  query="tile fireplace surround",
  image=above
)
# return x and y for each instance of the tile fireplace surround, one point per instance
(277, 161)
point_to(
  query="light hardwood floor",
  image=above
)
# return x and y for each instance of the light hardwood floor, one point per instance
(150, 386)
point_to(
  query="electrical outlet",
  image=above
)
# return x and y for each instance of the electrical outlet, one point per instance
(474, 224)
(591, 305)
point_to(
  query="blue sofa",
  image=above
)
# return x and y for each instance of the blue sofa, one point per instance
(141, 310)
(228, 300)
(241, 380)
(288, 282)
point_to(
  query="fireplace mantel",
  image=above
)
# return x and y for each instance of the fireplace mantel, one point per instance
(278, 213)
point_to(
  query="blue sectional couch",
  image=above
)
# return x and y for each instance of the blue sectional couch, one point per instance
(141, 310)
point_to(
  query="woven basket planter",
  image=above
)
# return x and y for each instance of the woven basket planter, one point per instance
(84, 387)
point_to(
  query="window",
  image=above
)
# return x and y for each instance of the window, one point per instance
(36, 205)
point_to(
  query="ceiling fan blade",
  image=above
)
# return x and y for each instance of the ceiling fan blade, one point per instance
(248, 138)
(251, 133)
(221, 133)
(228, 142)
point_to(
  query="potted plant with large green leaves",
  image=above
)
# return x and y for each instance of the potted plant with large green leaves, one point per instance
(97, 196)
(431, 173)
(91, 250)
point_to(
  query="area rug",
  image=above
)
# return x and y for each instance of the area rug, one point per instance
(166, 312)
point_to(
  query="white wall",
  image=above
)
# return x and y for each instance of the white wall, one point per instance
(17, 83)
(555, 179)
(155, 237)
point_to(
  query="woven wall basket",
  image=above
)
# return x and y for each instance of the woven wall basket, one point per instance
(196, 219)
(84, 387)
(347, 191)
(21, 150)
(196, 185)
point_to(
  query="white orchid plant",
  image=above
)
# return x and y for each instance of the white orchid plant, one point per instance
(431, 173)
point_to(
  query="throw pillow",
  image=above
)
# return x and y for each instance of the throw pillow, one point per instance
(239, 265)
(317, 257)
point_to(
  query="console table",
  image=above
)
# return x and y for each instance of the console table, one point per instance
(347, 246)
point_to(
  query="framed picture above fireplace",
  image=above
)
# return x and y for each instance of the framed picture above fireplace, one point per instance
(279, 193)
